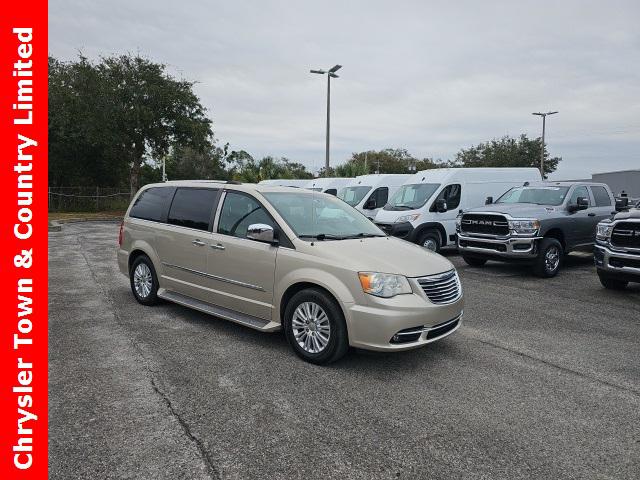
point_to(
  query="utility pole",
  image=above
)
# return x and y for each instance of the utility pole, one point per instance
(544, 121)
(331, 73)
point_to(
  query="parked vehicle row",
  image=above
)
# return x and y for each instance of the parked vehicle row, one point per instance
(277, 258)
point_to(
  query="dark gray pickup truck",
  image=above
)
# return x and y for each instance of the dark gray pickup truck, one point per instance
(536, 224)
(617, 251)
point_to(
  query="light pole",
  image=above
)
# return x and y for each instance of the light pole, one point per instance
(331, 73)
(544, 121)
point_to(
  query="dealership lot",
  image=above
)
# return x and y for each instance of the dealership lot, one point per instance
(542, 380)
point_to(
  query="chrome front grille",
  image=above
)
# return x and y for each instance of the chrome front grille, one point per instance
(442, 288)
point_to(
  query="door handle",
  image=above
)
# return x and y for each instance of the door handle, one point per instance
(197, 242)
(591, 214)
(217, 246)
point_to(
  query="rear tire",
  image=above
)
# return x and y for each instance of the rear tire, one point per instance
(549, 260)
(612, 283)
(315, 328)
(474, 261)
(144, 281)
(430, 240)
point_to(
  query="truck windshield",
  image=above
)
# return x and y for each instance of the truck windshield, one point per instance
(321, 217)
(410, 197)
(537, 195)
(353, 195)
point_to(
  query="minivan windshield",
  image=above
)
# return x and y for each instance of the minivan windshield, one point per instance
(321, 217)
(538, 195)
(412, 196)
(353, 195)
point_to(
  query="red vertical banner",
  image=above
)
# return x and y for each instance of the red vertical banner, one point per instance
(23, 262)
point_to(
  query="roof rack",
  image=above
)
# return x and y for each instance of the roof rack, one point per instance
(231, 182)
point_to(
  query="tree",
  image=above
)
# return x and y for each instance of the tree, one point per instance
(112, 116)
(389, 160)
(243, 167)
(507, 152)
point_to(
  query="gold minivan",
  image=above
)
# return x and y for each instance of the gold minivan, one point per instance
(276, 258)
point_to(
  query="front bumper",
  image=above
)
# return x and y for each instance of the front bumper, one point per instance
(507, 247)
(402, 230)
(618, 264)
(373, 327)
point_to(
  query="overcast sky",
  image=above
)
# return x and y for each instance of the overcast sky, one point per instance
(431, 77)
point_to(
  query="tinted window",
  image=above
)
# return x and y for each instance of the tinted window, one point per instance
(331, 191)
(601, 196)
(192, 207)
(579, 192)
(451, 195)
(238, 212)
(152, 203)
(381, 196)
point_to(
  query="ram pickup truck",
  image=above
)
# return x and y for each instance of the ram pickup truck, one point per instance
(617, 250)
(536, 224)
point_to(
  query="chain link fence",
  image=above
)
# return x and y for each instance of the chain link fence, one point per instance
(87, 199)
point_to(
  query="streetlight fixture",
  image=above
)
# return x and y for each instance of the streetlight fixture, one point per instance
(331, 73)
(544, 121)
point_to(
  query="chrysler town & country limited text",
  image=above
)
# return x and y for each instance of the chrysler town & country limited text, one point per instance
(277, 257)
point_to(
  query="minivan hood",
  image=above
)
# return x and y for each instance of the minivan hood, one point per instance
(381, 254)
(519, 210)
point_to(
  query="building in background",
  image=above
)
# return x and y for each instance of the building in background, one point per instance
(623, 180)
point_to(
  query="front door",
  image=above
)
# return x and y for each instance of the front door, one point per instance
(242, 270)
(581, 220)
(452, 195)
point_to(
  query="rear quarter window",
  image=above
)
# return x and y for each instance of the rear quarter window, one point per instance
(193, 207)
(601, 196)
(152, 204)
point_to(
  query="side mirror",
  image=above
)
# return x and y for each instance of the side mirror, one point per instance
(370, 204)
(261, 232)
(583, 203)
(441, 205)
(488, 201)
(622, 204)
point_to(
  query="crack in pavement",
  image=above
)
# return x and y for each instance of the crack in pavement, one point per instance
(210, 466)
(559, 367)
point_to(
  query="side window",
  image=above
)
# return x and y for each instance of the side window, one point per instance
(152, 204)
(601, 196)
(331, 191)
(580, 191)
(238, 212)
(381, 195)
(193, 207)
(450, 194)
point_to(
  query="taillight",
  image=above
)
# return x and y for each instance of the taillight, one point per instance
(121, 234)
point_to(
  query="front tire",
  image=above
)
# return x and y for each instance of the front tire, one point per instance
(144, 281)
(612, 283)
(549, 260)
(474, 261)
(430, 240)
(315, 328)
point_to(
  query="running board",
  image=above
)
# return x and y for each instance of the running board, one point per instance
(227, 314)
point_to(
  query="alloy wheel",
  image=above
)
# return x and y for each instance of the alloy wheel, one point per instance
(142, 280)
(311, 327)
(552, 258)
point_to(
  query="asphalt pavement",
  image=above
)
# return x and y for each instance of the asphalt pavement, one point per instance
(541, 381)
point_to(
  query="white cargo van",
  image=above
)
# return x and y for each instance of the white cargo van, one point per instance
(424, 209)
(285, 182)
(327, 184)
(369, 193)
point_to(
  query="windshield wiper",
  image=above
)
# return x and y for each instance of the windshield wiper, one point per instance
(364, 235)
(323, 236)
(402, 206)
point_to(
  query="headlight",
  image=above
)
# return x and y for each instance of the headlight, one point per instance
(524, 227)
(408, 218)
(604, 231)
(384, 284)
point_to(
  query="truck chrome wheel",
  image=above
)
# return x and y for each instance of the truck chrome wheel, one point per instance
(311, 327)
(552, 258)
(142, 280)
